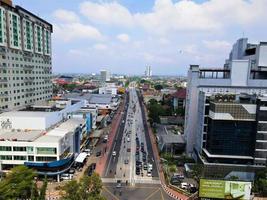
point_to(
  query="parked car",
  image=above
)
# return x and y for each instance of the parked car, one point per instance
(129, 150)
(118, 184)
(126, 161)
(184, 185)
(98, 154)
(66, 176)
(91, 169)
(71, 171)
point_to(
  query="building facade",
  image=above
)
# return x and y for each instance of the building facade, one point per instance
(104, 76)
(226, 111)
(25, 52)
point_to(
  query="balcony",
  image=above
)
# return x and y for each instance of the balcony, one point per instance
(3, 95)
(30, 91)
(47, 69)
(28, 67)
(28, 80)
(28, 55)
(3, 81)
(2, 51)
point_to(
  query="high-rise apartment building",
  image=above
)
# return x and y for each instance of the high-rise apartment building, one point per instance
(148, 71)
(25, 57)
(226, 109)
(104, 76)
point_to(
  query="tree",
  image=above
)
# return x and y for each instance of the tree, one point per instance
(88, 188)
(260, 183)
(18, 183)
(43, 190)
(158, 87)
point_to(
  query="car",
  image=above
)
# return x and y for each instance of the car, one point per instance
(66, 176)
(137, 172)
(144, 159)
(128, 150)
(118, 184)
(126, 161)
(184, 185)
(71, 171)
(114, 153)
(98, 154)
(149, 173)
(128, 139)
(145, 166)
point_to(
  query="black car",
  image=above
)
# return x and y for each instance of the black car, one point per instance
(91, 169)
(137, 171)
(98, 154)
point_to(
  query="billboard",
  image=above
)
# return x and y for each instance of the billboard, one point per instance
(224, 189)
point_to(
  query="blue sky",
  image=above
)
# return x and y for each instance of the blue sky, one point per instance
(124, 36)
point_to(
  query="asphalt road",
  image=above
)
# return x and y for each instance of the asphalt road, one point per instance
(131, 127)
(140, 191)
(113, 160)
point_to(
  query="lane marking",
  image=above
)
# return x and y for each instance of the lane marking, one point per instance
(104, 188)
(161, 194)
(152, 194)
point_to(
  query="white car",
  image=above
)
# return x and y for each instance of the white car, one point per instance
(128, 139)
(184, 185)
(149, 173)
(114, 153)
(66, 176)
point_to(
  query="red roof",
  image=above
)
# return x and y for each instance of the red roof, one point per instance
(180, 94)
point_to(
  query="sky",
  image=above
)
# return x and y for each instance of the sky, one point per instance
(124, 36)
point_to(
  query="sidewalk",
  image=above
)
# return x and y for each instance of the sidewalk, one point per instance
(169, 191)
(102, 162)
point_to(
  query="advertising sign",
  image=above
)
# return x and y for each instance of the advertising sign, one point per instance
(224, 189)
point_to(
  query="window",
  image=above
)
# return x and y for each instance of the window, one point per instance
(20, 158)
(5, 148)
(4, 157)
(19, 148)
(46, 150)
(47, 159)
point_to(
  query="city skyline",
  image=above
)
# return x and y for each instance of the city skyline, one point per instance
(162, 33)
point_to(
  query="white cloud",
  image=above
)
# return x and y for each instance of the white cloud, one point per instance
(123, 37)
(74, 31)
(100, 47)
(66, 16)
(111, 13)
(217, 44)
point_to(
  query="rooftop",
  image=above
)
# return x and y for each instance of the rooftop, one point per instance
(20, 135)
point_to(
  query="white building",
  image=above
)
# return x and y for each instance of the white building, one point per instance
(25, 51)
(108, 90)
(243, 73)
(104, 76)
(46, 136)
(148, 72)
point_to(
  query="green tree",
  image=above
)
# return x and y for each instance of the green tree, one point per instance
(43, 190)
(158, 87)
(88, 188)
(18, 184)
(260, 183)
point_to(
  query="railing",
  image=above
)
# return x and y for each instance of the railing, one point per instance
(3, 95)
(28, 80)
(2, 51)
(28, 67)
(3, 81)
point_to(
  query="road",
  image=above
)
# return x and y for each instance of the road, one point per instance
(132, 145)
(140, 191)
